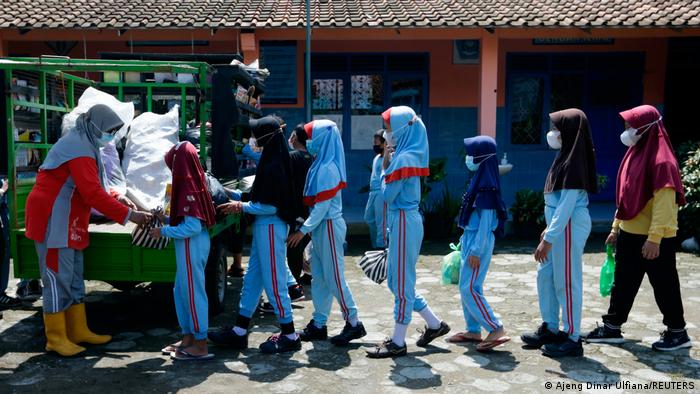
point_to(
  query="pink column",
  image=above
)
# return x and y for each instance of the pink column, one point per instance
(488, 82)
(249, 47)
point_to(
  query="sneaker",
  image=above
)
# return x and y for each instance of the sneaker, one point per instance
(605, 334)
(313, 333)
(387, 349)
(279, 343)
(541, 336)
(428, 335)
(348, 334)
(266, 307)
(7, 302)
(672, 340)
(296, 293)
(226, 337)
(565, 348)
(35, 288)
(305, 280)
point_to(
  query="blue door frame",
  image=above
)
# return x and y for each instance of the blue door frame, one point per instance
(622, 90)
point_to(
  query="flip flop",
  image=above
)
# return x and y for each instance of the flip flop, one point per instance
(183, 355)
(462, 338)
(166, 351)
(488, 345)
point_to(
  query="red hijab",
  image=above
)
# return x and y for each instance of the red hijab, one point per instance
(190, 196)
(649, 165)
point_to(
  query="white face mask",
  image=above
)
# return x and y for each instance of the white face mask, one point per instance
(631, 136)
(389, 138)
(469, 161)
(554, 139)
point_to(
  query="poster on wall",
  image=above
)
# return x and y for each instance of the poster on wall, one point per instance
(338, 119)
(363, 128)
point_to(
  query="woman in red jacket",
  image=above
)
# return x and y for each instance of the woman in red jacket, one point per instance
(71, 182)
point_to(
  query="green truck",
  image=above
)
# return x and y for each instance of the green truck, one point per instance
(39, 91)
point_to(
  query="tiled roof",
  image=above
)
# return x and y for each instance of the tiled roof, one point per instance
(134, 14)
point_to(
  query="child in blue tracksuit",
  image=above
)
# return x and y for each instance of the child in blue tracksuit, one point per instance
(559, 275)
(296, 292)
(375, 211)
(273, 204)
(482, 216)
(322, 192)
(402, 191)
(191, 214)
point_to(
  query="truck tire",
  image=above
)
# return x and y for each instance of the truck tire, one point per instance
(215, 276)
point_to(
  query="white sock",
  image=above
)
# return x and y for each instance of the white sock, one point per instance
(293, 336)
(353, 321)
(239, 331)
(399, 336)
(430, 318)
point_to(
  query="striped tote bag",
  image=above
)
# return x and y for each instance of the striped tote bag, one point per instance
(373, 263)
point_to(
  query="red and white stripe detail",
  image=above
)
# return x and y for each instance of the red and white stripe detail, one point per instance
(479, 302)
(401, 277)
(190, 286)
(273, 269)
(384, 225)
(567, 278)
(336, 269)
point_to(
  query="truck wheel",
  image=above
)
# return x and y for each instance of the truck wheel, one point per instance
(215, 275)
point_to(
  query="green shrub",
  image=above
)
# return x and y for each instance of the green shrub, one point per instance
(528, 207)
(689, 214)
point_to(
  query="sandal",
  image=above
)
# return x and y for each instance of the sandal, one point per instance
(183, 355)
(485, 346)
(168, 350)
(463, 337)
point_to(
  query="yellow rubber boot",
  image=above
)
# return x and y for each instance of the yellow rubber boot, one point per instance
(77, 328)
(56, 338)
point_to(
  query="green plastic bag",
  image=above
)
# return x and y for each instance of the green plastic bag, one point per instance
(451, 265)
(607, 273)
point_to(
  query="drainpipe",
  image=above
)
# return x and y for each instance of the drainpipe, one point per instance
(307, 66)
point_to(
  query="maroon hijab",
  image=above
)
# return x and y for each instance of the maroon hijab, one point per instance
(190, 196)
(648, 166)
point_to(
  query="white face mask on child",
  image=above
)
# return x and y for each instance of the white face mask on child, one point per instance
(554, 139)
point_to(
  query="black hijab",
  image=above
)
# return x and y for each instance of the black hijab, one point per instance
(574, 166)
(274, 180)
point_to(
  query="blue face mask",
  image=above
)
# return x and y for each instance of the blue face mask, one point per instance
(105, 139)
(313, 149)
(469, 161)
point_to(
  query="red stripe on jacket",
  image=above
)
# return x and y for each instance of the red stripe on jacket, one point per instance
(406, 172)
(88, 194)
(310, 201)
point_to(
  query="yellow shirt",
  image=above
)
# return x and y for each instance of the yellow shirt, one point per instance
(658, 219)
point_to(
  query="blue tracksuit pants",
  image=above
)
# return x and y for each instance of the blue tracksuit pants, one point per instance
(477, 311)
(560, 277)
(375, 216)
(405, 238)
(328, 271)
(191, 304)
(267, 269)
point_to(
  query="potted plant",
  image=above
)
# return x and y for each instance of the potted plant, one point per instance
(528, 213)
(440, 214)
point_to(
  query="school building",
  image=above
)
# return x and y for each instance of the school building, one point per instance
(493, 67)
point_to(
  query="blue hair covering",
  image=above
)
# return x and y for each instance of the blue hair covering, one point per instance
(411, 155)
(326, 176)
(484, 191)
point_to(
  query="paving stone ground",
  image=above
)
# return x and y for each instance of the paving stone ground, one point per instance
(143, 321)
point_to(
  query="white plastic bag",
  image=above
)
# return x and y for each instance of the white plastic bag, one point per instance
(150, 138)
(92, 97)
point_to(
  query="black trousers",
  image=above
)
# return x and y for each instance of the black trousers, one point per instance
(629, 272)
(295, 256)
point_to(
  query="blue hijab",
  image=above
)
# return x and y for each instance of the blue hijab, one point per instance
(412, 154)
(484, 191)
(326, 177)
